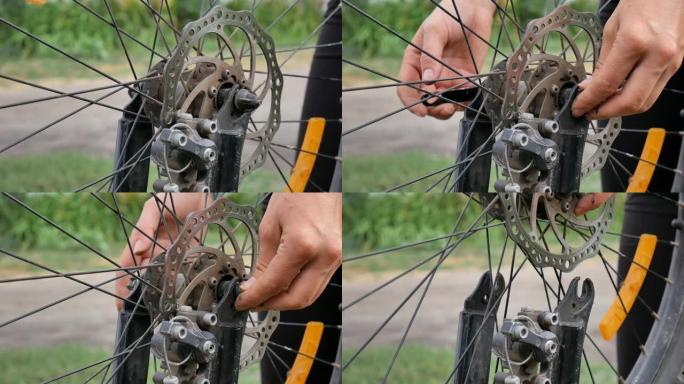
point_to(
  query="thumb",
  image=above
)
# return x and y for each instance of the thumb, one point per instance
(591, 201)
(434, 41)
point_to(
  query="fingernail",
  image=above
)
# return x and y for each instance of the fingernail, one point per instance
(138, 247)
(584, 83)
(246, 284)
(428, 74)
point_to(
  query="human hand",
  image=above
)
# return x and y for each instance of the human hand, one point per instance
(300, 249)
(442, 36)
(591, 201)
(643, 45)
(154, 233)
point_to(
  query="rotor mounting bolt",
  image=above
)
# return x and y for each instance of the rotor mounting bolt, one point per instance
(213, 282)
(213, 92)
(225, 74)
(554, 89)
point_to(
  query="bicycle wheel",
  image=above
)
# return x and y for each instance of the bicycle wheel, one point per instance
(212, 97)
(515, 132)
(534, 253)
(192, 335)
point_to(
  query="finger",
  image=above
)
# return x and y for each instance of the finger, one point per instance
(269, 238)
(635, 96)
(591, 201)
(434, 41)
(442, 112)
(290, 258)
(303, 291)
(609, 33)
(618, 64)
(410, 72)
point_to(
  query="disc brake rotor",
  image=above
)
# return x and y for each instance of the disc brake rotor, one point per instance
(192, 80)
(536, 89)
(546, 228)
(189, 281)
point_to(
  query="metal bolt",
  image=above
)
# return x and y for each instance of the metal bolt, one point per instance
(550, 347)
(519, 331)
(520, 139)
(550, 126)
(208, 319)
(209, 155)
(179, 332)
(206, 126)
(548, 319)
(171, 187)
(512, 380)
(178, 139)
(213, 92)
(550, 155)
(209, 347)
(171, 380)
(213, 282)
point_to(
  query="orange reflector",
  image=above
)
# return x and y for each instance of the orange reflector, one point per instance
(36, 2)
(649, 158)
(613, 319)
(307, 156)
(307, 351)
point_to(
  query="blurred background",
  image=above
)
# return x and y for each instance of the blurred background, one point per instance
(81, 146)
(402, 147)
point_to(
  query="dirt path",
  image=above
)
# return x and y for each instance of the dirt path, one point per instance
(400, 132)
(89, 318)
(437, 322)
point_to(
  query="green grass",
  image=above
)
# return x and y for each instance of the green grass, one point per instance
(67, 171)
(381, 172)
(58, 171)
(61, 260)
(418, 363)
(37, 364)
